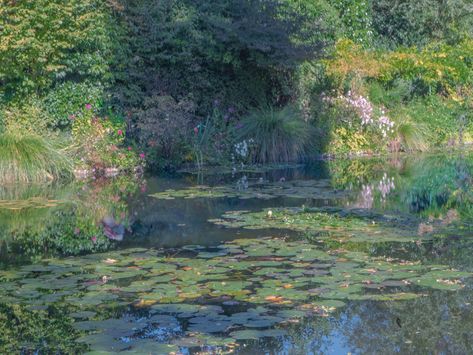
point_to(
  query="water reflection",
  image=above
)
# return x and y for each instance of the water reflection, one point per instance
(432, 193)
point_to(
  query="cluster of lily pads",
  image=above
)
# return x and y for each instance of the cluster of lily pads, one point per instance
(320, 224)
(260, 189)
(33, 202)
(212, 297)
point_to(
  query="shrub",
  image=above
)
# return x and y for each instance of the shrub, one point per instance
(45, 42)
(278, 135)
(356, 17)
(28, 119)
(163, 126)
(438, 68)
(99, 142)
(30, 158)
(66, 99)
(350, 65)
(415, 23)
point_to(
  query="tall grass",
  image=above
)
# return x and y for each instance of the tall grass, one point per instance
(413, 136)
(280, 135)
(30, 158)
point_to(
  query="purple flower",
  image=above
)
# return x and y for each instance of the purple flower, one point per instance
(120, 132)
(142, 155)
(88, 106)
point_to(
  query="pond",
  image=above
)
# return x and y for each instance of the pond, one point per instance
(369, 255)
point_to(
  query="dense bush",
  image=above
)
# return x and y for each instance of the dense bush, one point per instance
(99, 141)
(416, 23)
(48, 42)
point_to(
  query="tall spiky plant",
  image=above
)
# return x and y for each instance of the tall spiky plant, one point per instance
(279, 135)
(30, 158)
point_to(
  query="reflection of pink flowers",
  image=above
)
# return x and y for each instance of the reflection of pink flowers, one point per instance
(120, 132)
(88, 106)
(94, 239)
(142, 155)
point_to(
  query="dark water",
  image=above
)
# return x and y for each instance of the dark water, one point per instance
(348, 256)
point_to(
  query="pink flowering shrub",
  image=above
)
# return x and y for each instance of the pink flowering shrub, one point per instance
(368, 115)
(359, 126)
(99, 142)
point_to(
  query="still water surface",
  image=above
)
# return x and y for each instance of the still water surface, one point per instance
(348, 256)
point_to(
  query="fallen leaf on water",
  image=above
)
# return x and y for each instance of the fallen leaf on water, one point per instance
(144, 303)
(276, 299)
(110, 261)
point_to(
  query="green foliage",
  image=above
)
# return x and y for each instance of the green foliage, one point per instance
(438, 68)
(47, 42)
(163, 65)
(30, 158)
(68, 98)
(31, 331)
(278, 135)
(213, 138)
(99, 142)
(356, 18)
(229, 50)
(23, 119)
(415, 23)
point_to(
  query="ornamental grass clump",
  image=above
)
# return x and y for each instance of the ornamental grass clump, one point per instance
(30, 158)
(277, 135)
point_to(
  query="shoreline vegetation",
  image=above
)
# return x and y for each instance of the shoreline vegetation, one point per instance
(116, 86)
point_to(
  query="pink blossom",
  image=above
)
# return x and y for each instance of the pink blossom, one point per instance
(142, 155)
(120, 132)
(129, 149)
(94, 239)
(196, 130)
(88, 106)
